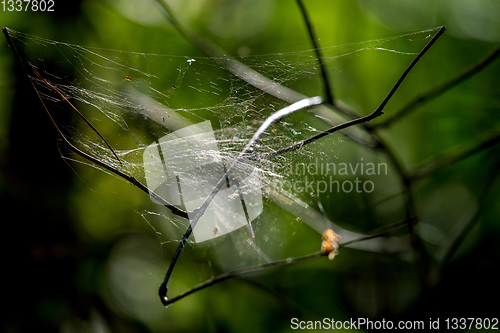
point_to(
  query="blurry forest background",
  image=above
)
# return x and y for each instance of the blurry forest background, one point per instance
(79, 258)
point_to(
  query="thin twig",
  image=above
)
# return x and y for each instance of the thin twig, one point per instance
(298, 145)
(382, 231)
(288, 261)
(441, 89)
(229, 275)
(378, 112)
(413, 63)
(312, 36)
(449, 158)
(50, 86)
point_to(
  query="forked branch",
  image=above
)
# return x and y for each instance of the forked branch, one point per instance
(378, 112)
(79, 152)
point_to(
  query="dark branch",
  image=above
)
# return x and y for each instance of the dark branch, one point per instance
(413, 63)
(331, 130)
(89, 124)
(288, 261)
(319, 56)
(484, 197)
(441, 89)
(446, 159)
(79, 152)
(378, 112)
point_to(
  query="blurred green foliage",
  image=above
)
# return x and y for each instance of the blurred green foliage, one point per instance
(80, 257)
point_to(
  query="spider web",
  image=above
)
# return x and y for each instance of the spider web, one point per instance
(177, 123)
